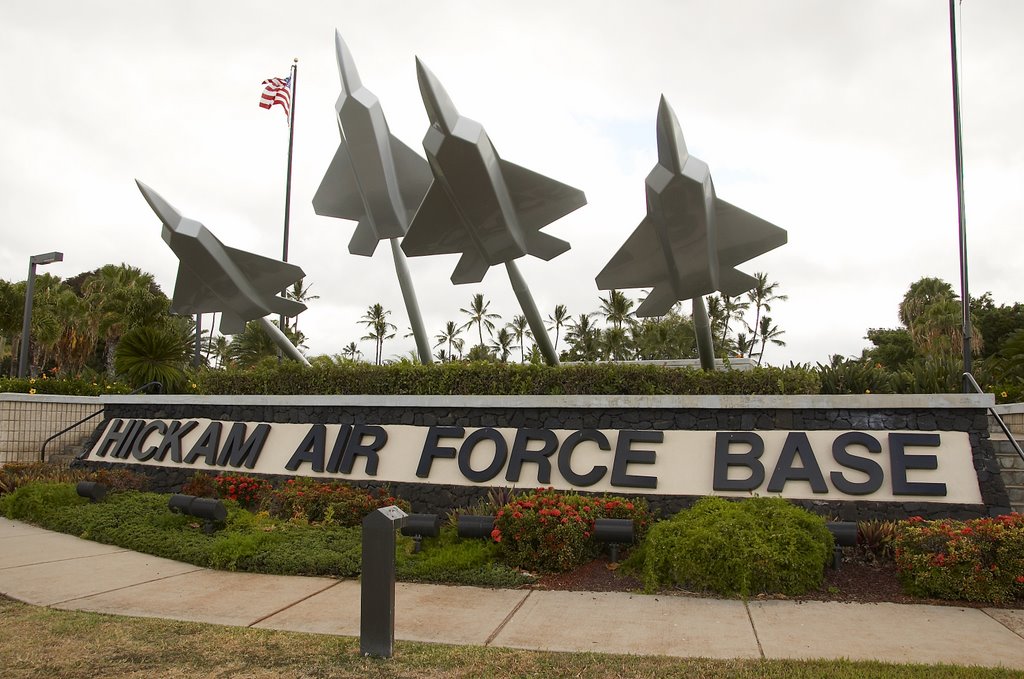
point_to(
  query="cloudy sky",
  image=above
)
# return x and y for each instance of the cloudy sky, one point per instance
(831, 119)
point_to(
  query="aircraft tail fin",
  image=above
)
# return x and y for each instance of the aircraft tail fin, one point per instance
(470, 269)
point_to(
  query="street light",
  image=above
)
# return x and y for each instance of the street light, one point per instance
(26, 324)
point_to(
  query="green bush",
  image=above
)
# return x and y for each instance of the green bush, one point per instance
(552, 531)
(978, 560)
(452, 560)
(503, 379)
(142, 522)
(66, 386)
(249, 492)
(18, 474)
(330, 503)
(745, 547)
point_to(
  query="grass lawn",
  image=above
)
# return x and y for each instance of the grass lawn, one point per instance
(42, 642)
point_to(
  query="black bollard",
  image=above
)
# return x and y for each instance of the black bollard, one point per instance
(377, 604)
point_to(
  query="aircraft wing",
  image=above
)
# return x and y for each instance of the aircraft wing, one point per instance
(268, 276)
(338, 194)
(743, 236)
(539, 200)
(437, 228)
(192, 295)
(639, 263)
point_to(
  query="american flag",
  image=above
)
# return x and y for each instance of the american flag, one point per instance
(277, 91)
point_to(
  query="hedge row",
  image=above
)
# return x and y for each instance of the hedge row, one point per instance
(506, 380)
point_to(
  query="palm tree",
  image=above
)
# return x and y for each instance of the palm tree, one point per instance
(520, 328)
(299, 292)
(450, 336)
(351, 351)
(479, 316)
(252, 345)
(761, 296)
(557, 321)
(375, 319)
(616, 308)
(732, 310)
(154, 354)
(503, 343)
(121, 298)
(583, 336)
(769, 333)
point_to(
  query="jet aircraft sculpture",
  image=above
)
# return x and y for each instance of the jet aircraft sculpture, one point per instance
(690, 240)
(486, 209)
(213, 277)
(375, 180)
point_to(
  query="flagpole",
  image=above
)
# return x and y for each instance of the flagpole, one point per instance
(288, 181)
(965, 295)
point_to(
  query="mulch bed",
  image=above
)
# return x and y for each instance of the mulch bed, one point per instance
(856, 581)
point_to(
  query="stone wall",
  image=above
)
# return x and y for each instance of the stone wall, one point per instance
(27, 420)
(926, 413)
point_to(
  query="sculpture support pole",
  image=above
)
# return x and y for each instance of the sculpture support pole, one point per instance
(282, 341)
(702, 329)
(533, 318)
(412, 307)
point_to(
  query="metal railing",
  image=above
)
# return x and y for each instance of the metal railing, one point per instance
(158, 388)
(1002, 425)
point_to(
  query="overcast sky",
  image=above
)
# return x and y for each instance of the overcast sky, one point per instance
(830, 119)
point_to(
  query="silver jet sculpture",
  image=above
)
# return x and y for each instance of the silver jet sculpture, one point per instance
(690, 240)
(375, 180)
(213, 277)
(486, 209)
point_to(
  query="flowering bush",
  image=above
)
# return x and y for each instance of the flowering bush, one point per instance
(247, 491)
(551, 531)
(329, 503)
(977, 560)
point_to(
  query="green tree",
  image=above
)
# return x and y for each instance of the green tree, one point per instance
(299, 292)
(520, 328)
(378, 328)
(351, 351)
(995, 323)
(769, 333)
(480, 317)
(450, 337)
(155, 354)
(557, 321)
(761, 296)
(583, 338)
(503, 343)
(616, 308)
(122, 297)
(893, 348)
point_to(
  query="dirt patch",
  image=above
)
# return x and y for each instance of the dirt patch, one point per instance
(857, 580)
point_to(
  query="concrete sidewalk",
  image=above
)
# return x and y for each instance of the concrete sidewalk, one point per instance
(51, 569)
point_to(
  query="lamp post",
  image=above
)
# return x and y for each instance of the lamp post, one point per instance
(26, 324)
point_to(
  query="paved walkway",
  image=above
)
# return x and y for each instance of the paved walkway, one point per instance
(51, 569)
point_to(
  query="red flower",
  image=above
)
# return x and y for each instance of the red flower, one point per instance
(1020, 578)
(496, 534)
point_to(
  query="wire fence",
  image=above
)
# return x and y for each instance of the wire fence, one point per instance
(28, 420)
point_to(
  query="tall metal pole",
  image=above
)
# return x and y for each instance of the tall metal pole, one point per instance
(196, 358)
(288, 181)
(533, 318)
(702, 330)
(965, 297)
(26, 322)
(412, 308)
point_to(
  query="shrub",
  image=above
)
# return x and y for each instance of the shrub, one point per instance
(248, 491)
(876, 539)
(330, 503)
(745, 547)
(977, 560)
(200, 485)
(73, 386)
(551, 531)
(452, 560)
(503, 379)
(15, 475)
